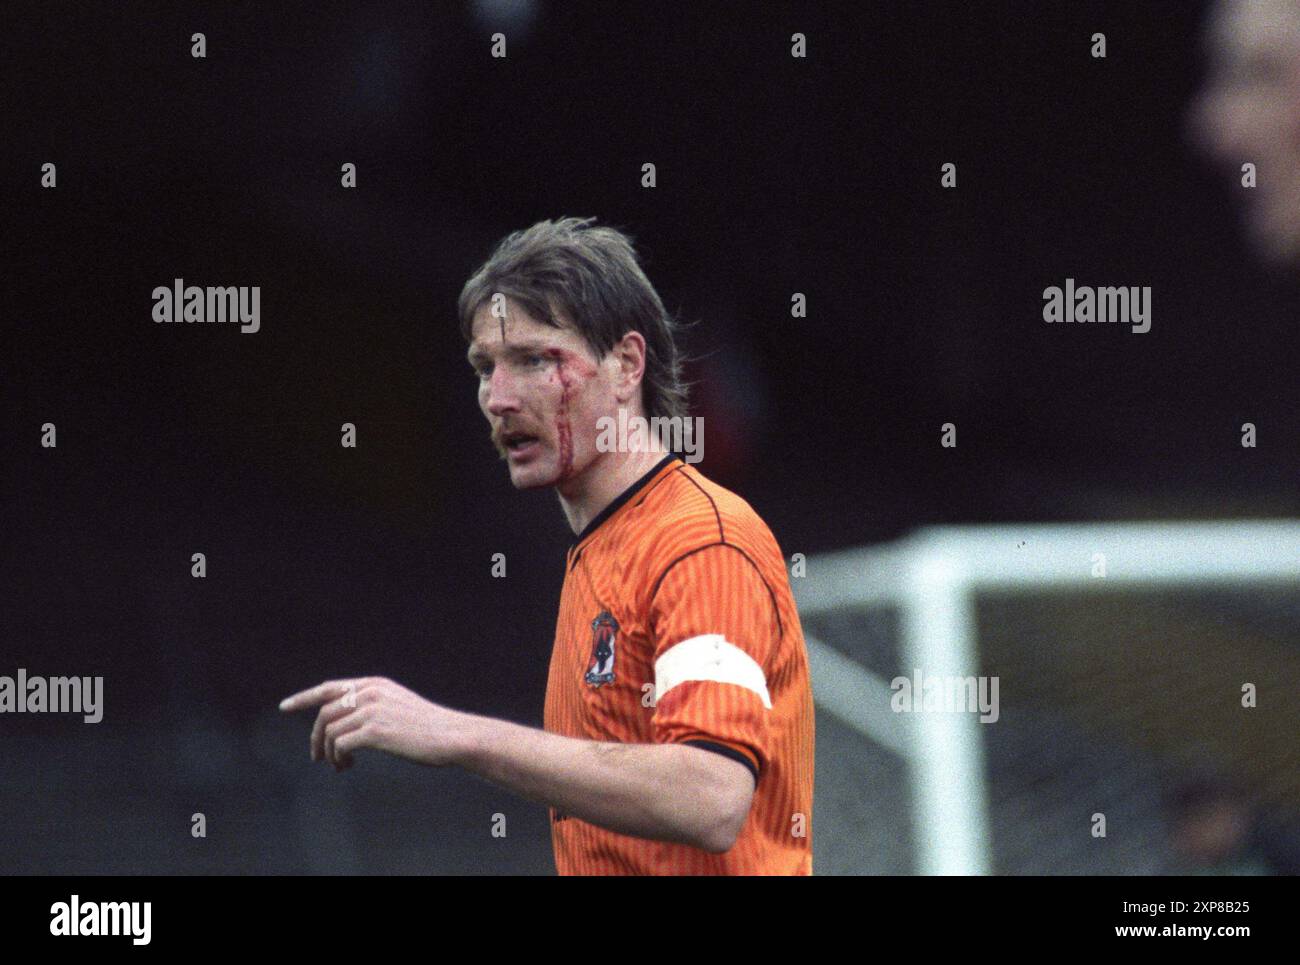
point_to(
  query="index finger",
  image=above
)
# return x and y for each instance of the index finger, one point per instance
(313, 696)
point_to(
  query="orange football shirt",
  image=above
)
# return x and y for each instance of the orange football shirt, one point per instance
(677, 625)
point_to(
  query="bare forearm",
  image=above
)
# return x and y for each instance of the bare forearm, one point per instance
(666, 792)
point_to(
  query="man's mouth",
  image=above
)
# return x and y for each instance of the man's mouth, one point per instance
(518, 444)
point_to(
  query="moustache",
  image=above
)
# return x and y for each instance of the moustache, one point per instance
(499, 434)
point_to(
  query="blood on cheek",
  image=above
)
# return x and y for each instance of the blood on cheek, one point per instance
(570, 372)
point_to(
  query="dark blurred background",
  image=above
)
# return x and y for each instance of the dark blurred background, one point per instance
(776, 175)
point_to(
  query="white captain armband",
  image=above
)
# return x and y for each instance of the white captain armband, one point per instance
(709, 657)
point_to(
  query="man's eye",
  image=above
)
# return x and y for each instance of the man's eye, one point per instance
(483, 371)
(534, 360)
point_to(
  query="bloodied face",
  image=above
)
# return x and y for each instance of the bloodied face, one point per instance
(543, 391)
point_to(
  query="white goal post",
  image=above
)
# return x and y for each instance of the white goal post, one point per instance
(933, 576)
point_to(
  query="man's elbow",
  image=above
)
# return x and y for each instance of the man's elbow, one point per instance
(726, 810)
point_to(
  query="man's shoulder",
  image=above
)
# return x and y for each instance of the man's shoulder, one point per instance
(689, 512)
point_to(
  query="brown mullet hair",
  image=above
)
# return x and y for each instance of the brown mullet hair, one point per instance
(591, 276)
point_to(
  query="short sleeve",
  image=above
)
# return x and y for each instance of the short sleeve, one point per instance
(715, 629)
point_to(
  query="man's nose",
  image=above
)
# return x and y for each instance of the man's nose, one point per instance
(502, 392)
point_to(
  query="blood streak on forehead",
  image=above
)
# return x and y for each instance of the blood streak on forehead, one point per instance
(570, 371)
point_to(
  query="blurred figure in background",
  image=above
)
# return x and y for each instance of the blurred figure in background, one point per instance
(1214, 829)
(1249, 113)
(1210, 830)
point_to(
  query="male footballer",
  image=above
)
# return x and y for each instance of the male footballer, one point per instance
(678, 726)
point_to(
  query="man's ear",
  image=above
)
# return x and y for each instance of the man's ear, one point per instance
(629, 352)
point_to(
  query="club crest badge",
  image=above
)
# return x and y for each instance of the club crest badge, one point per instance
(604, 629)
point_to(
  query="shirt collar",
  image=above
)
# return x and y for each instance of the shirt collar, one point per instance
(622, 499)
